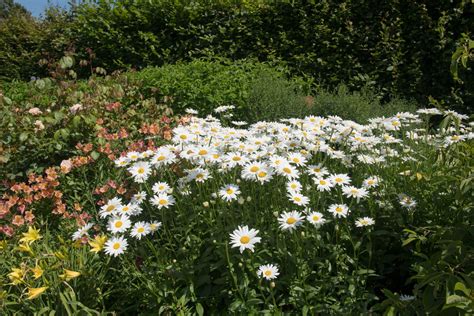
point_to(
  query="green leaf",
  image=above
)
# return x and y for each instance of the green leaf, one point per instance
(199, 309)
(23, 136)
(95, 155)
(459, 286)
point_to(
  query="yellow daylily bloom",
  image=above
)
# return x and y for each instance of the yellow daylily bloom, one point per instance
(16, 276)
(37, 272)
(24, 247)
(31, 236)
(34, 292)
(69, 275)
(98, 243)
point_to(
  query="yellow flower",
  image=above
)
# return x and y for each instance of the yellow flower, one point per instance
(98, 243)
(31, 236)
(69, 275)
(24, 247)
(37, 272)
(34, 292)
(16, 276)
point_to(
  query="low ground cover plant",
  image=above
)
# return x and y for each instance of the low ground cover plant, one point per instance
(308, 215)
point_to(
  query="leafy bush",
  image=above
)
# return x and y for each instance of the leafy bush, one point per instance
(257, 90)
(358, 105)
(400, 49)
(44, 120)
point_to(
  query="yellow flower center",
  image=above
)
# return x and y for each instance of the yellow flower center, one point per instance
(116, 246)
(297, 199)
(161, 158)
(125, 209)
(370, 182)
(268, 273)
(315, 218)
(293, 186)
(254, 169)
(140, 230)
(141, 170)
(296, 160)
(118, 224)
(110, 208)
(202, 152)
(338, 180)
(183, 136)
(322, 182)
(262, 174)
(354, 191)
(339, 209)
(244, 239)
(287, 170)
(229, 191)
(162, 202)
(291, 221)
(236, 158)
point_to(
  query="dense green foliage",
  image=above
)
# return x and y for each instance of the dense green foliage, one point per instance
(400, 47)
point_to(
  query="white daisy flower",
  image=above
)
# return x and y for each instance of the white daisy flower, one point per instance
(82, 231)
(268, 271)
(323, 184)
(121, 162)
(364, 221)
(139, 197)
(353, 192)
(316, 218)
(199, 175)
(244, 238)
(192, 111)
(229, 192)
(119, 224)
(162, 200)
(317, 170)
(340, 179)
(407, 201)
(298, 198)
(154, 226)
(140, 171)
(297, 159)
(251, 169)
(140, 229)
(339, 210)
(290, 220)
(133, 156)
(110, 208)
(161, 187)
(371, 182)
(264, 175)
(288, 171)
(115, 246)
(294, 186)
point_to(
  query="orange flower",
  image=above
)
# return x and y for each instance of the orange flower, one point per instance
(18, 220)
